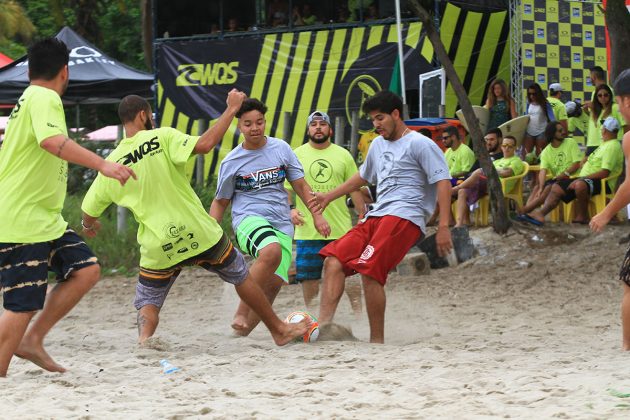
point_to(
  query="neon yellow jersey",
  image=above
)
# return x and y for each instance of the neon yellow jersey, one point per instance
(32, 180)
(515, 163)
(556, 160)
(594, 137)
(324, 170)
(460, 160)
(173, 225)
(608, 155)
(559, 111)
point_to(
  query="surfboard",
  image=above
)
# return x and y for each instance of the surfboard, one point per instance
(482, 114)
(516, 127)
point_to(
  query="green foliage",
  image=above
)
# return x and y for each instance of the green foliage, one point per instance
(12, 49)
(117, 253)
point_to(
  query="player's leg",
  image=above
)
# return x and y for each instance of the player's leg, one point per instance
(77, 272)
(375, 305)
(151, 291)
(625, 316)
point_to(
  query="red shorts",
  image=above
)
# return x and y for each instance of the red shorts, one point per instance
(374, 247)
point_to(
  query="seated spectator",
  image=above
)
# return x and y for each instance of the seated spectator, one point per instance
(459, 157)
(493, 141)
(606, 160)
(577, 119)
(232, 25)
(277, 13)
(476, 185)
(558, 161)
(372, 13)
(355, 7)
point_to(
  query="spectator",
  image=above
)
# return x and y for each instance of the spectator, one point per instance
(232, 25)
(540, 113)
(602, 107)
(476, 185)
(492, 140)
(500, 104)
(277, 13)
(459, 157)
(559, 161)
(559, 111)
(577, 119)
(606, 160)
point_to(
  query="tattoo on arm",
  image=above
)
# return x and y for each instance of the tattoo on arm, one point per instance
(61, 146)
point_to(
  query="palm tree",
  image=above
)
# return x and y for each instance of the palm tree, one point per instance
(14, 22)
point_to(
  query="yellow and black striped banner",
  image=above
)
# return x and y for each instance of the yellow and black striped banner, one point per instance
(328, 70)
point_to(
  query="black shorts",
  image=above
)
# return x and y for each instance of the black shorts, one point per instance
(624, 273)
(24, 268)
(594, 188)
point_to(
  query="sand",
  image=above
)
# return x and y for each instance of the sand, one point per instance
(528, 328)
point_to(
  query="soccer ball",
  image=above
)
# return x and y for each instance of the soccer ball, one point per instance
(312, 333)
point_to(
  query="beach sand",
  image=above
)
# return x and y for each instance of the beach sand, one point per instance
(528, 328)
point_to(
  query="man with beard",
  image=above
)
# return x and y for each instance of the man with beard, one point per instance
(492, 140)
(558, 161)
(326, 166)
(174, 229)
(34, 237)
(411, 174)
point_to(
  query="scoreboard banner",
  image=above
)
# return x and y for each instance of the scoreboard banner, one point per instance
(561, 41)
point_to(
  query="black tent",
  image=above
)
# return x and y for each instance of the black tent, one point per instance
(95, 78)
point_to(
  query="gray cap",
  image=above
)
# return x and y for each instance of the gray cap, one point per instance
(556, 87)
(622, 83)
(611, 124)
(570, 106)
(318, 116)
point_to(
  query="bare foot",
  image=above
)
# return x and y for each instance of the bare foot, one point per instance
(537, 214)
(239, 324)
(291, 331)
(36, 354)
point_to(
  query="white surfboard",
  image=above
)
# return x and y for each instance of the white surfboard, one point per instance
(482, 114)
(516, 127)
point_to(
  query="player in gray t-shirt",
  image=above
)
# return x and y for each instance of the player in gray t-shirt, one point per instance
(411, 174)
(251, 177)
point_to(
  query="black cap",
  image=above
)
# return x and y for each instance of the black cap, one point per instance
(622, 83)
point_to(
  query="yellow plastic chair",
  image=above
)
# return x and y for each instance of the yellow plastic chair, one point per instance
(516, 194)
(596, 203)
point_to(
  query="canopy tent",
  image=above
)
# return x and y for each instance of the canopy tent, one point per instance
(95, 78)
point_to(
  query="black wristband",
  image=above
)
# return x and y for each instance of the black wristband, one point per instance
(291, 206)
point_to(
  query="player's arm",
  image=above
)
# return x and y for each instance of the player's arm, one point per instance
(303, 190)
(90, 225)
(66, 149)
(354, 183)
(359, 203)
(443, 236)
(214, 134)
(217, 208)
(513, 113)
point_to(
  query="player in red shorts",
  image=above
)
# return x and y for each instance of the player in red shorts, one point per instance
(411, 174)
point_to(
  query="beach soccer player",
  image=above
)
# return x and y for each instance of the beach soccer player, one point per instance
(251, 178)
(174, 229)
(34, 237)
(620, 200)
(411, 174)
(326, 166)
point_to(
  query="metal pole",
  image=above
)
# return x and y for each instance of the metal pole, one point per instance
(401, 58)
(200, 164)
(339, 126)
(354, 134)
(286, 128)
(121, 212)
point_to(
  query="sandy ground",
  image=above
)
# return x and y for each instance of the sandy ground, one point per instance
(528, 328)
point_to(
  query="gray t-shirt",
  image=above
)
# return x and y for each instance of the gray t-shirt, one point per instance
(254, 181)
(405, 172)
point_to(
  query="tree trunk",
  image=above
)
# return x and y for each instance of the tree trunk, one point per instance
(618, 23)
(500, 220)
(147, 32)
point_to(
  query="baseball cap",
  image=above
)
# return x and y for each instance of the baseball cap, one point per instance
(556, 87)
(622, 83)
(570, 106)
(611, 124)
(318, 116)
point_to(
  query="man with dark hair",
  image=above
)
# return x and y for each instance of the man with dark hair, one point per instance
(175, 232)
(34, 237)
(558, 161)
(598, 78)
(620, 200)
(459, 157)
(411, 175)
(251, 178)
(557, 106)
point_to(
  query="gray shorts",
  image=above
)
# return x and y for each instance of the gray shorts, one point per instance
(223, 259)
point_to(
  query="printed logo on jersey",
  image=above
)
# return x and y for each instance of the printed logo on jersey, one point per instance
(386, 164)
(149, 148)
(560, 160)
(321, 170)
(261, 178)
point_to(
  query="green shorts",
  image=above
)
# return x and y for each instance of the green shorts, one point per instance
(254, 233)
